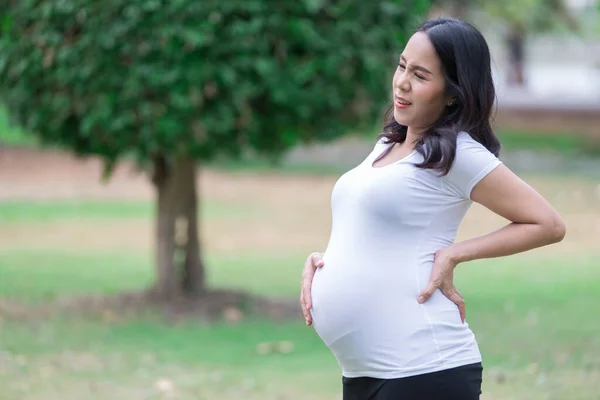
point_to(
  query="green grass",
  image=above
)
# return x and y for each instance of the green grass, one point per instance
(36, 211)
(511, 300)
(529, 312)
(216, 361)
(52, 273)
(568, 144)
(523, 310)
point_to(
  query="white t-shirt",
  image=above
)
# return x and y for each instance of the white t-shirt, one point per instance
(388, 222)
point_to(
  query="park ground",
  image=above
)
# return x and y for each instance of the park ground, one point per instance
(65, 238)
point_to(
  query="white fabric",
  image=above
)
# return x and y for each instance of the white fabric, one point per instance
(388, 222)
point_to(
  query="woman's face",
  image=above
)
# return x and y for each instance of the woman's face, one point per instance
(419, 85)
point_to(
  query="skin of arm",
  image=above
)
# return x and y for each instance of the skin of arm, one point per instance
(534, 223)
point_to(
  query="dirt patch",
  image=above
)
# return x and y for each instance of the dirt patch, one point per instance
(90, 236)
(34, 174)
(226, 305)
(29, 173)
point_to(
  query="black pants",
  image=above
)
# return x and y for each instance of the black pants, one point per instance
(461, 383)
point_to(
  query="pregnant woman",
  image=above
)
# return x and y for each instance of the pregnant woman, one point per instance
(381, 296)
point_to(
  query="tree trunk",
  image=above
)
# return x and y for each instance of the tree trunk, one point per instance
(178, 260)
(516, 53)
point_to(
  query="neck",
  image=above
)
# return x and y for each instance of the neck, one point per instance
(413, 135)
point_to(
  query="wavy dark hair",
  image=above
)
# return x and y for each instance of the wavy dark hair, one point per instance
(466, 64)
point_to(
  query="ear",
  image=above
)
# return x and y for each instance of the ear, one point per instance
(451, 101)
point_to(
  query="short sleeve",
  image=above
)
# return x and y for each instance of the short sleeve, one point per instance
(381, 143)
(471, 164)
(379, 148)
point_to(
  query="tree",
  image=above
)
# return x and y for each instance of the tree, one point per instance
(170, 83)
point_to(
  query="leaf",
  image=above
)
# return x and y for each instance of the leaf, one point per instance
(196, 37)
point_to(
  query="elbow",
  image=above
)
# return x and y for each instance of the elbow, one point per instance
(556, 230)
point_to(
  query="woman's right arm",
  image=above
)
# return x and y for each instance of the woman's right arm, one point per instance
(314, 261)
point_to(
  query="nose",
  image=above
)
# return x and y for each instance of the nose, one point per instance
(402, 82)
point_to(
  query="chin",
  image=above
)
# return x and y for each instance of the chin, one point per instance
(401, 119)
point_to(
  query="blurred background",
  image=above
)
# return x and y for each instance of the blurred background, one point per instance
(166, 168)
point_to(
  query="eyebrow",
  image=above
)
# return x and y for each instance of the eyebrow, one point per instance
(417, 66)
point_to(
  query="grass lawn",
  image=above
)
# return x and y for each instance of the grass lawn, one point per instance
(533, 318)
(535, 314)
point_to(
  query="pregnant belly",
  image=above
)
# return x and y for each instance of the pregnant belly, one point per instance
(370, 319)
(334, 305)
(346, 300)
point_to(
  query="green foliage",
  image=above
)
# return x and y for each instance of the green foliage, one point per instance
(197, 78)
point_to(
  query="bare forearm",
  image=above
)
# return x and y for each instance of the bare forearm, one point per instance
(511, 239)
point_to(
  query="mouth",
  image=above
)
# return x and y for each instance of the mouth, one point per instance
(401, 103)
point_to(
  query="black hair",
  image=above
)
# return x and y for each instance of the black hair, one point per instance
(466, 64)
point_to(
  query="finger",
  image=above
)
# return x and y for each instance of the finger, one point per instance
(301, 299)
(308, 264)
(313, 262)
(463, 310)
(305, 313)
(306, 284)
(427, 293)
(308, 318)
(457, 299)
(307, 278)
(458, 292)
(317, 260)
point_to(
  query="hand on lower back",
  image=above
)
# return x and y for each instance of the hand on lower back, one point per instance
(442, 278)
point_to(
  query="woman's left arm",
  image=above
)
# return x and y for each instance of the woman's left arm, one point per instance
(534, 223)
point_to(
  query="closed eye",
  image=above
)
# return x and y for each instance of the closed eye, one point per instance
(402, 66)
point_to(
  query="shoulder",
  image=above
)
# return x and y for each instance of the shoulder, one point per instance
(469, 150)
(472, 162)
(464, 137)
(464, 142)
